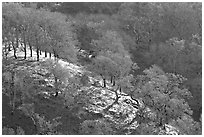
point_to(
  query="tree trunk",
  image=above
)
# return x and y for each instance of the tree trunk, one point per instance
(40, 52)
(120, 89)
(25, 51)
(31, 51)
(56, 86)
(111, 80)
(9, 46)
(45, 53)
(14, 50)
(104, 82)
(55, 55)
(38, 58)
(50, 55)
(37, 46)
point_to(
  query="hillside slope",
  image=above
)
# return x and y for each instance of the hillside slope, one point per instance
(41, 95)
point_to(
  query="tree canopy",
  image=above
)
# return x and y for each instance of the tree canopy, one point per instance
(102, 68)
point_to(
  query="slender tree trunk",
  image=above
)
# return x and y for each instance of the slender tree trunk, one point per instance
(9, 46)
(45, 53)
(40, 52)
(104, 82)
(15, 53)
(50, 54)
(113, 81)
(31, 51)
(56, 86)
(120, 89)
(25, 51)
(55, 55)
(14, 50)
(38, 58)
(37, 48)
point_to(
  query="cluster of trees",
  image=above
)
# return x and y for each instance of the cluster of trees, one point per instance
(121, 40)
(161, 92)
(166, 34)
(41, 30)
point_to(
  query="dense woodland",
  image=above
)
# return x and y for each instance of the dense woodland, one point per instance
(101, 68)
